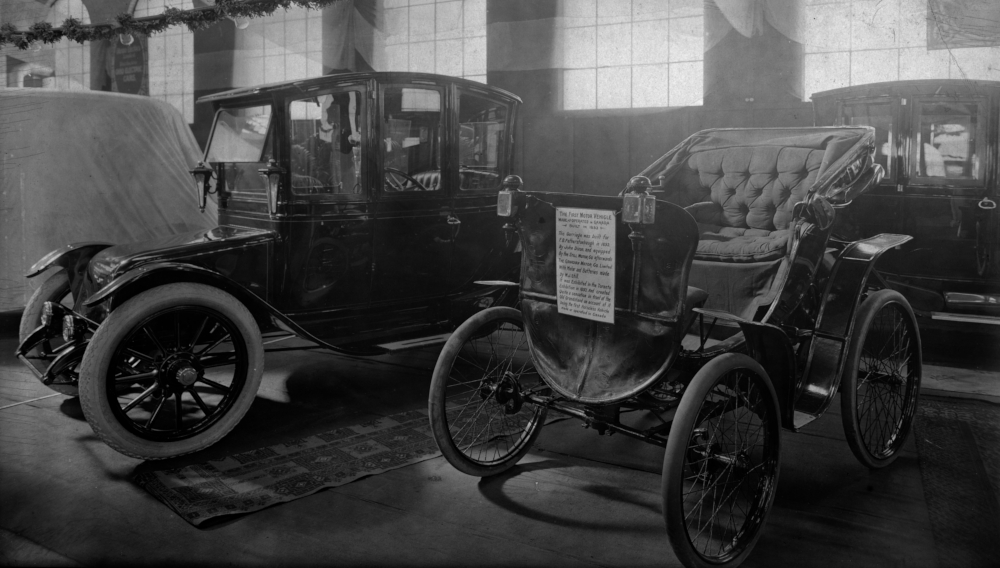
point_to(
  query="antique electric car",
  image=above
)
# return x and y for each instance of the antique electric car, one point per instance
(704, 329)
(938, 143)
(356, 211)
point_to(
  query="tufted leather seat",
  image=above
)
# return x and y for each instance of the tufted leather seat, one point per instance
(742, 198)
(430, 180)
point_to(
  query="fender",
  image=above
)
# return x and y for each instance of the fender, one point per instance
(71, 257)
(158, 273)
(835, 323)
(770, 346)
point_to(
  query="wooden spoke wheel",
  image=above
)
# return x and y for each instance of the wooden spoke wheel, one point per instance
(171, 371)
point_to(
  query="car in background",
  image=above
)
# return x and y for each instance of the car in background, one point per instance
(356, 211)
(938, 143)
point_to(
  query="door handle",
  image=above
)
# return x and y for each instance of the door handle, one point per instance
(456, 226)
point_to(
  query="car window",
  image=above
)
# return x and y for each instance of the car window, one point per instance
(879, 116)
(947, 141)
(411, 139)
(241, 144)
(482, 131)
(326, 150)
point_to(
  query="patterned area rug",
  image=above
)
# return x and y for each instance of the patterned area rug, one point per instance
(253, 480)
(959, 446)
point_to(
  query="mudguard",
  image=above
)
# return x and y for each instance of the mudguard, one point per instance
(835, 324)
(68, 256)
(159, 273)
(74, 258)
(770, 346)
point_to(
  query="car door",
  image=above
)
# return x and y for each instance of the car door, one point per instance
(414, 227)
(482, 154)
(946, 170)
(328, 219)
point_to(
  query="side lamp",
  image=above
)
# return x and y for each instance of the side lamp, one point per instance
(508, 197)
(202, 183)
(272, 179)
(638, 205)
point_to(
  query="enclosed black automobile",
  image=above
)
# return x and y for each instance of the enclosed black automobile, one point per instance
(937, 141)
(356, 211)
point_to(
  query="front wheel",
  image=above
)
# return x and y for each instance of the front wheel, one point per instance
(881, 381)
(720, 468)
(480, 418)
(171, 371)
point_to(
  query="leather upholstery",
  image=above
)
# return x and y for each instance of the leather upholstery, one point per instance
(430, 180)
(743, 198)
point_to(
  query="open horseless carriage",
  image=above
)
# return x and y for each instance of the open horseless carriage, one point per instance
(717, 324)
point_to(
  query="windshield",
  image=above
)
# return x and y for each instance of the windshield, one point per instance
(239, 134)
(240, 145)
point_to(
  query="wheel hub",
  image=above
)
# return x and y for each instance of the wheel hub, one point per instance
(178, 372)
(508, 394)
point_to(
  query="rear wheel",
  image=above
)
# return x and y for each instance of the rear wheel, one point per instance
(881, 382)
(480, 418)
(171, 371)
(54, 289)
(720, 468)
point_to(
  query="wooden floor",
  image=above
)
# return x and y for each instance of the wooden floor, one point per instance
(577, 499)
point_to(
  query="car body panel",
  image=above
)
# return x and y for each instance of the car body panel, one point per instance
(347, 263)
(938, 140)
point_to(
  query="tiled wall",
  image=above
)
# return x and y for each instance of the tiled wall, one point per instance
(632, 53)
(853, 42)
(171, 58)
(434, 36)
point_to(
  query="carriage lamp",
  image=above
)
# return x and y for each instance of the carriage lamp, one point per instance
(272, 177)
(507, 198)
(638, 205)
(202, 179)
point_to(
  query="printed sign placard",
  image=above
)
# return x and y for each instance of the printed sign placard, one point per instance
(585, 263)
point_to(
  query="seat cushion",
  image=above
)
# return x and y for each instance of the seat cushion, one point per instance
(732, 244)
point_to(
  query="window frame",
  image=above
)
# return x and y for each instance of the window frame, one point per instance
(444, 157)
(366, 134)
(894, 157)
(503, 152)
(269, 138)
(980, 143)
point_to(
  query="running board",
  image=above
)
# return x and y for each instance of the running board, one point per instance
(417, 343)
(966, 318)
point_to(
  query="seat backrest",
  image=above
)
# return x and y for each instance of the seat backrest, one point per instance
(756, 186)
(430, 180)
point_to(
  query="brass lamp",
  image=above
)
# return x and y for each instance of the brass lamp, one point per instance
(202, 178)
(638, 205)
(272, 178)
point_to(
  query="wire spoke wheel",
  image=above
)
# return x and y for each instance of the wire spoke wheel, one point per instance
(171, 371)
(881, 379)
(480, 418)
(721, 463)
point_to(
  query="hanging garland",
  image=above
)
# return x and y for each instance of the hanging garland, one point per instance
(124, 23)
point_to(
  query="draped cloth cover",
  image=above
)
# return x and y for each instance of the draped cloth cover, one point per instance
(89, 166)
